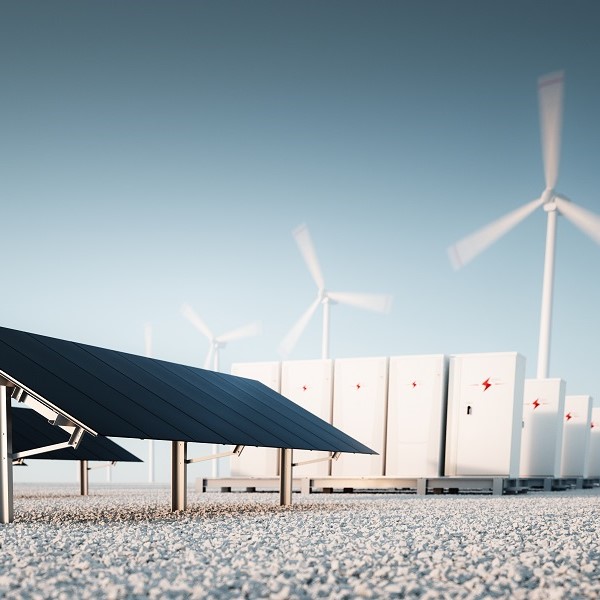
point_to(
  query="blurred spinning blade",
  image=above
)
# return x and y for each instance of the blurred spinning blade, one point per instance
(550, 94)
(469, 247)
(375, 302)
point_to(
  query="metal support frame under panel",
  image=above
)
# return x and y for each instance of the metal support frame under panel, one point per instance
(83, 477)
(57, 417)
(285, 476)
(6, 466)
(178, 476)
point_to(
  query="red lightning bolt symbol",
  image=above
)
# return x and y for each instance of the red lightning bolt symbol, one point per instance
(358, 386)
(568, 416)
(486, 384)
(414, 384)
(535, 403)
(304, 388)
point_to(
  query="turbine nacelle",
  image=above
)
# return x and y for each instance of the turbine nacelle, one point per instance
(547, 196)
(552, 204)
(324, 298)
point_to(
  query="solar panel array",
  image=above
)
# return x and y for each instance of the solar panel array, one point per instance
(31, 430)
(125, 395)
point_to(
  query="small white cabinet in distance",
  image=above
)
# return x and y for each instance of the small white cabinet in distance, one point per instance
(257, 462)
(485, 408)
(359, 409)
(417, 393)
(309, 383)
(543, 417)
(576, 436)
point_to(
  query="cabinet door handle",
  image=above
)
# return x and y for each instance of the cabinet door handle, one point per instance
(469, 410)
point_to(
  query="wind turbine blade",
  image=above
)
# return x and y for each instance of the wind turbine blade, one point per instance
(148, 339)
(376, 302)
(208, 361)
(241, 332)
(291, 339)
(587, 221)
(469, 247)
(188, 312)
(550, 93)
(304, 241)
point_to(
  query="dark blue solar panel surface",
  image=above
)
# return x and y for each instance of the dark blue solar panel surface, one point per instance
(125, 395)
(30, 430)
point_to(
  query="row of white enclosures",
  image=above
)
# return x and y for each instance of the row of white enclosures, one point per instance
(433, 415)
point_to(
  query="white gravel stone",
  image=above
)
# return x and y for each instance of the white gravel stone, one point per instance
(125, 543)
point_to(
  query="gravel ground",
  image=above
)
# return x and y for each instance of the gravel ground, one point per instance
(124, 543)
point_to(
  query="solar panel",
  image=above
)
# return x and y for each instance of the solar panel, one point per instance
(124, 395)
(30, 430)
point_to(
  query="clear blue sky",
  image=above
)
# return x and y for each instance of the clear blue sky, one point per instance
(159, 152)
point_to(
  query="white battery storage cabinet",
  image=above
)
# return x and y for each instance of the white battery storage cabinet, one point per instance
(576, 436)
(416, 422)
(485, 408)
(594, 461)
(359, 409)
(543, 418)
(309, 383)
(257, 462)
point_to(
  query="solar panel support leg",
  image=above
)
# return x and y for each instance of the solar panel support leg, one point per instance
(285, 477)
(83, 477)
(6, 467)
(178, 476)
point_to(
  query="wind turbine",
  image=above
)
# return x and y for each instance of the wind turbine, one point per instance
(216, 343)
(375, 302)
(148, 352)
(550, 93)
